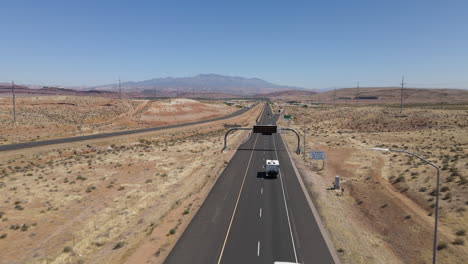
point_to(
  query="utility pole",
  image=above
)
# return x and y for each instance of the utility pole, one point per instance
(357, 94)
(120, 90)
(334, 98)
(401, 98)
(14, 101)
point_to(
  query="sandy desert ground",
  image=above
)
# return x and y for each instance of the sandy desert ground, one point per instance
(47, 117)
(115, 200)
(386, 213)
(382, 95)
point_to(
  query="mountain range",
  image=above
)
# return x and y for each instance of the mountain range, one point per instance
(207, 83)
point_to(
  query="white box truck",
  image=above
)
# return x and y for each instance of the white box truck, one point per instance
(272, 168)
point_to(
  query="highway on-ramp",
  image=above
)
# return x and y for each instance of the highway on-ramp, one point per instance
(247, 218)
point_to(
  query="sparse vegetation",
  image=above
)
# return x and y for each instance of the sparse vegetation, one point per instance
(67, 249)
(458, 241)
(347, 133)
(119, 244)
(442, 245)
(81, 181)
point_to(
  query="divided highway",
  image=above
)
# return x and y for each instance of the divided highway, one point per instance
(112, 134)
(248, 218)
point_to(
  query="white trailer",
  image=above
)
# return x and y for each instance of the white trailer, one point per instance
(272, 168)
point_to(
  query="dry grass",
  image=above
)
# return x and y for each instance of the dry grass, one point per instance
(389, 199)
(47, 117)
(98, 201)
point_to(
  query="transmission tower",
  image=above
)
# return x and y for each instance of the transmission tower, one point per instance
(401, 97)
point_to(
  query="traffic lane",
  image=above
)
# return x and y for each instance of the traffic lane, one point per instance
(202, 240)
(311, 244)
(277, 236)
(242, 236)
(242, 240)
(256, 238)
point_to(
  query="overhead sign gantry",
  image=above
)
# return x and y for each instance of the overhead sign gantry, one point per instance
(264, 130)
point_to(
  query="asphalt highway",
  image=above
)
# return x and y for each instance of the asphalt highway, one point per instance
(112, 134)
(248, 218)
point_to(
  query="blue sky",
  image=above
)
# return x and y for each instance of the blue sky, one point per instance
(313, 44)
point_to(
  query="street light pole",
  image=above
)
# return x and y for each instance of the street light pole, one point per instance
(434, 247)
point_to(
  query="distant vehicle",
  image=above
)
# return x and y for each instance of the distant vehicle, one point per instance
(272, 168)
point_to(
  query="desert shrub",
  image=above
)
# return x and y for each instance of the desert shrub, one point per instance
(444, 189)
(447, 196)
(186, 211)
(119, 245)
(81, 178)
(442, 245)
(422, 189)
(90, 189)
(4, 235)
(67, 249)
(460, 232)
(172, 231)
(458, 241)
(24, 228)
(98, 244)
(400, 178)
(463, 180)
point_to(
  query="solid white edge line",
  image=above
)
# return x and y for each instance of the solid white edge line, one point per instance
(325, 234)
(286, 205)
(237, 202)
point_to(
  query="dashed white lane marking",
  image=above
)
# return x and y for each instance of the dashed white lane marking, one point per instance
(237, 202)
(260, 212)
(261, 190)
(258, 248)
(286, 206)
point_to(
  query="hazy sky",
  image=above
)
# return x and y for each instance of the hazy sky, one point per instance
(313, 44)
